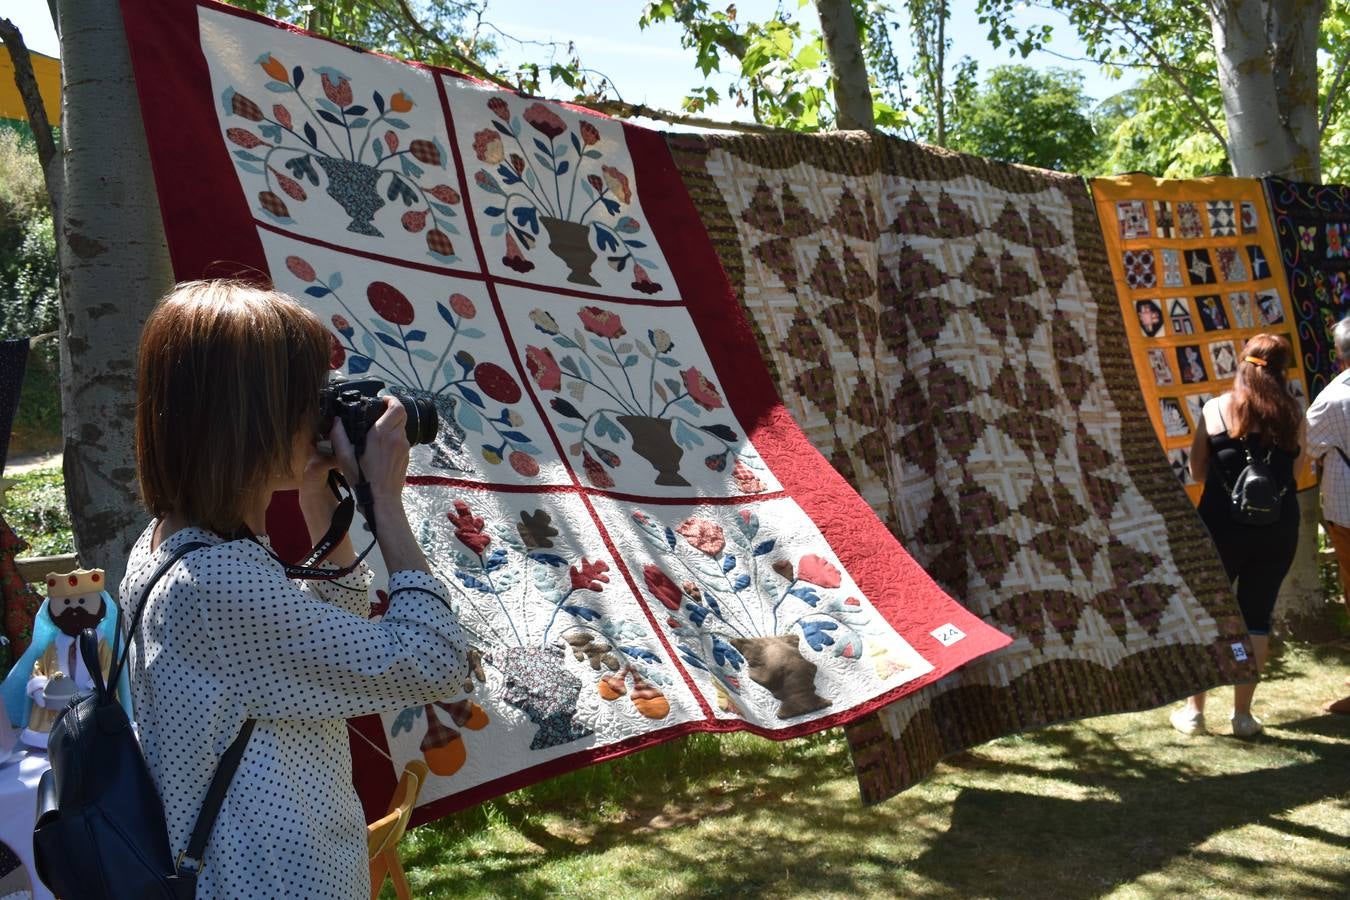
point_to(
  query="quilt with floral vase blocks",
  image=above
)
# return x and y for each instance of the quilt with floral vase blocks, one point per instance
(945, 330)
(636, 535)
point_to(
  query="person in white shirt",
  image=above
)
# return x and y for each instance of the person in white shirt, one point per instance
(227, 414)
(1329, 442)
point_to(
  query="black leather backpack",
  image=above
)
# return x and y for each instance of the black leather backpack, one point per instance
(100, 829)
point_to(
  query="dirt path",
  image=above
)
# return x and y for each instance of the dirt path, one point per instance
(18, 465)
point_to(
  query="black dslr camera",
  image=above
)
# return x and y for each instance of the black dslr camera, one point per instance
(360, 402)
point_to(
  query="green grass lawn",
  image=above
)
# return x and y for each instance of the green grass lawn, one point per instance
(1120, 806)
(35, 507)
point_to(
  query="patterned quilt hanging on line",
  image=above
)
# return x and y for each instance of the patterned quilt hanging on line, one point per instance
(945, 330)
(1312, 229)
(1198, 273)
(639, 538)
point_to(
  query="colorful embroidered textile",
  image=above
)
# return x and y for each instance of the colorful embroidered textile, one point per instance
(641, 541)
(1312, 228)
(945, 330)
(1198, 273)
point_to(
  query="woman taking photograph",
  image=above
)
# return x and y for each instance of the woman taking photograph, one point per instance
(228, 399)
(1258, 416)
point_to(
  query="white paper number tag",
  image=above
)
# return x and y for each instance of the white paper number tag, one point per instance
(1239, 653)
(948, 634)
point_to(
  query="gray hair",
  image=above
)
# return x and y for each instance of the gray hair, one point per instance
(1341, 333)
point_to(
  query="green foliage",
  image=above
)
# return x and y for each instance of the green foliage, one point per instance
(1144, 130)
(778, 69)
(23, 193)
(35, 507)
(1024, 116)
(439, 33)
(29, 299)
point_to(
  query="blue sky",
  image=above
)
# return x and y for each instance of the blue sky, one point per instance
(650, 66)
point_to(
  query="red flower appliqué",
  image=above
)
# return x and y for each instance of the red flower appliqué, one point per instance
(300, 269)
(544, 120)
(469, 528)
(390, 303)
(701, 389)
(589, 576)
(818, 571)
(543, 368)
(661, 586)
(487, 146)
(601, 322)
(463, 306)
(703, 535)
(618, 184)
(340, 92)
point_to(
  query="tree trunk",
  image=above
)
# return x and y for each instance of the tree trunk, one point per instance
(1267, 63)
(852, 92)
(114, 265)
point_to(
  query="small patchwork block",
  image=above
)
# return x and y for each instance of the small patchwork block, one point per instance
(1188, 220)
(1171, 268)
(1139, 271)
(1231, 264)
(1165, 218)
(1133, 218)
(1199, 268)
(1222, 221)
(1260, 268)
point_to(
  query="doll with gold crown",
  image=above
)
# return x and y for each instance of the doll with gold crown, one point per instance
(51, 672)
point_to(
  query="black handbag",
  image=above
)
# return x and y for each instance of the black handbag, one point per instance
(100, 829)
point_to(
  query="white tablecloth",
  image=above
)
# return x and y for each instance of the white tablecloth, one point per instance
(18, 804)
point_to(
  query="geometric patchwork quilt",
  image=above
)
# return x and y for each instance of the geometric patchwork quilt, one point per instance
(1312, 230)
(945, 330)
(639, 540)
(1198, 272)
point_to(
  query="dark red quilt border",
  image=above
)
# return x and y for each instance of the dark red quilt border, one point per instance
(220, 238)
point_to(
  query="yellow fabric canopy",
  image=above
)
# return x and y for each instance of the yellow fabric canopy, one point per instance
(48, 72)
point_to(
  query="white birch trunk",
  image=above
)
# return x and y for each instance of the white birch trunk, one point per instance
(1267, 66)
(114, 265)
(852, 93)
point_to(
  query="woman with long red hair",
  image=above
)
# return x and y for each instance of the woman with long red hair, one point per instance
(1257, 420)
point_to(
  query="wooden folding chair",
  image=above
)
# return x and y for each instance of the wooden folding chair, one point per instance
(383, 835)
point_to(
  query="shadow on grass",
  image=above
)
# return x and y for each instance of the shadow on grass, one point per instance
(1053, 846)
(783, 832)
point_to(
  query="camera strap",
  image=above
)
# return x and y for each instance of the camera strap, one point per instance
(308, 568)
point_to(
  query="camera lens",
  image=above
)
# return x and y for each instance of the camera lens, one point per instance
(422, 422)
(422, 419)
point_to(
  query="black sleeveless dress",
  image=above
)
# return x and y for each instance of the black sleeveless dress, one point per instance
(1257, 557)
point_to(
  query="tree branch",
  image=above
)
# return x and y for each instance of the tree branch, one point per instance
(630, 110)
(1142, 44)
(406, 13)
(1334, 92)
(26, 82)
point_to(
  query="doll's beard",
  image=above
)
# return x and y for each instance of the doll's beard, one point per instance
(75, 620)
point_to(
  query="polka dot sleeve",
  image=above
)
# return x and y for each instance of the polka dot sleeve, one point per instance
(288, 654)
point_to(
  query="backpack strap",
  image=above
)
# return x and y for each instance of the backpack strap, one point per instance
(120, 662)
(189, 862)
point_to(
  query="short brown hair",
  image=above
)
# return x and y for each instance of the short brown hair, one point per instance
(228, 375)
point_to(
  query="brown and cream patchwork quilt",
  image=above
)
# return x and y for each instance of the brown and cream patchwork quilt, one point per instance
(946, 331)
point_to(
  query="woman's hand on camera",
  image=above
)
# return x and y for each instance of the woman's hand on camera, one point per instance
(385, 460)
